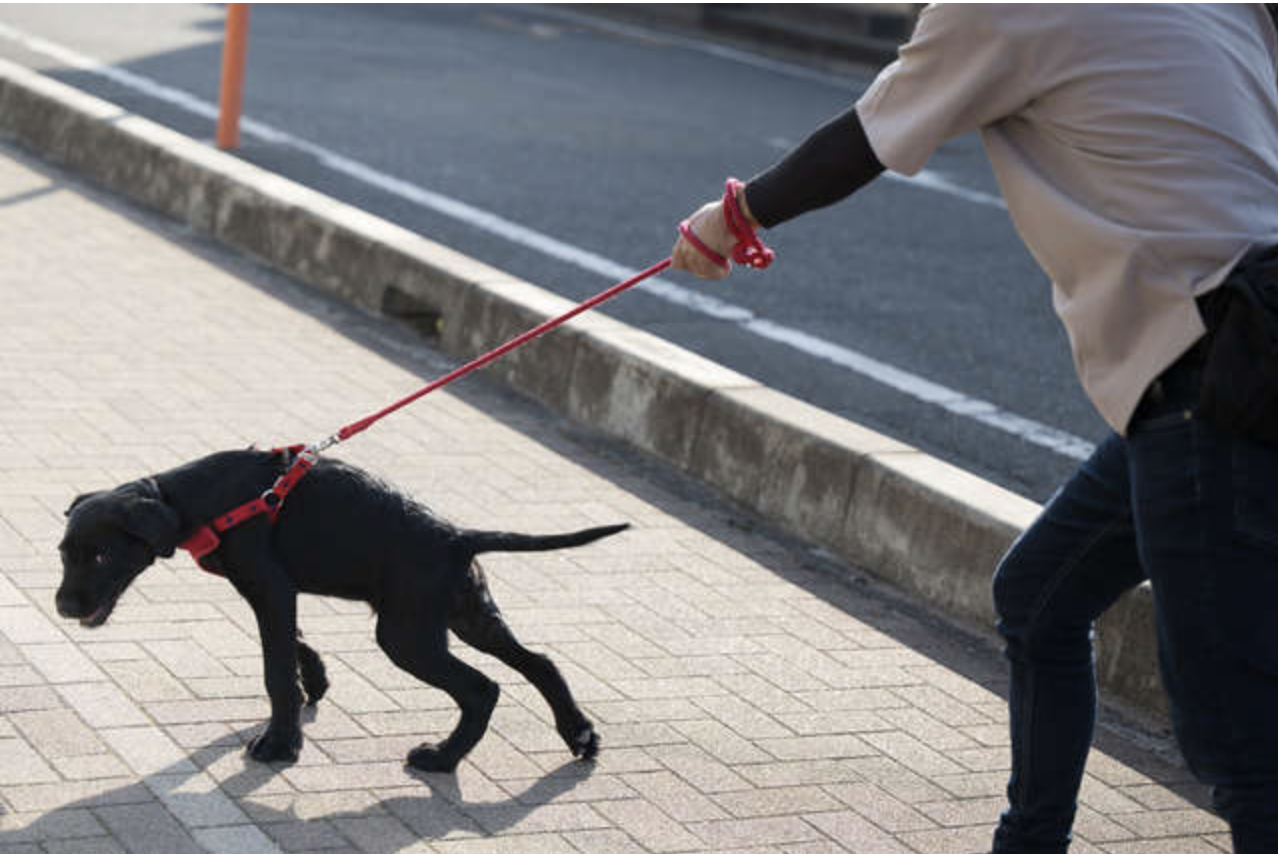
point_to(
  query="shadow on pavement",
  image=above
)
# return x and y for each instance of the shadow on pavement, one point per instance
(441, 810)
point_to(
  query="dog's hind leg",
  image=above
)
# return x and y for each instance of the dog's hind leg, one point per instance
(311, 670)
(423, 652)
(477, 621)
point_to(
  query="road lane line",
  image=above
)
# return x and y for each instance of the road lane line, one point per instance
(698, 301)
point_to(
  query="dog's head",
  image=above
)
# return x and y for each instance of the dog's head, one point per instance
(111, 537)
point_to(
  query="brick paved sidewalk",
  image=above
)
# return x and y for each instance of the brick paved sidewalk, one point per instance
(746, 702)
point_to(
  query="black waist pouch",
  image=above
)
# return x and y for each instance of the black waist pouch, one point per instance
(1240, 375)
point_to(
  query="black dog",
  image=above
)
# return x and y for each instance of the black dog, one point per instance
(342, 533)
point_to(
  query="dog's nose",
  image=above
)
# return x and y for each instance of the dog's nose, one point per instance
(69, 604)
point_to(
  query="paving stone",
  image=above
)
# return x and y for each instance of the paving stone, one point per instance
(540, 843)
(1098, 828)
(1164, 846)
(20, 764)
(603, 842)
(760, 803)
(89, 767)
(50, 797)
(62, 662)
(242, 839)
(518, 818)
(102, 705)
(304, 835)
(856, 833)
(960, 813)
(649, 826)
(879, 806)
(25, 698)
(114, 651)
(146, 680)
(63, 824)
(25, 624)
(19, 674)
(147, 829)
(57, 733)
(147, 750)
(1182, 822)
(195, 800)
(962, 840)
(911, 752)
(675, 797)
(780, 831)
(91, 845)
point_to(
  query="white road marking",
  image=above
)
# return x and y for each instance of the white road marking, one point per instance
(698, 301)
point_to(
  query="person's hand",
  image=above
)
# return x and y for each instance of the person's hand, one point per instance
(711, 228)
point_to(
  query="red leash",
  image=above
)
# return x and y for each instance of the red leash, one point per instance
(492, 355)
(749, 250)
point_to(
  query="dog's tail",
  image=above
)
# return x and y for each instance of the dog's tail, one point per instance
(501, 541)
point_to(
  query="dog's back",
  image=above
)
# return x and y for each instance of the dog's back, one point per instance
(346, 533)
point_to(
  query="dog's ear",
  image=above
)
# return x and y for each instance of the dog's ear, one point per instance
(153, 522)
(79, 499)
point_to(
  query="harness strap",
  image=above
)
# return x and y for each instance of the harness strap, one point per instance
(205, 540)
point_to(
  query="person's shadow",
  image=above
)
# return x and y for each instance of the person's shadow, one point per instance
(183, 788)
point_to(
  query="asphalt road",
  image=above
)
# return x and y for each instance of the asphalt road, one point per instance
(601, 139)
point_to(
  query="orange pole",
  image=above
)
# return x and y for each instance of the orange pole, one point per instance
(231, 101)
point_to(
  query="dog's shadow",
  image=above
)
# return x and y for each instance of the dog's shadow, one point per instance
(250, 795)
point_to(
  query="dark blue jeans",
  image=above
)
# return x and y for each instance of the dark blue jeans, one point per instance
(1194, 511)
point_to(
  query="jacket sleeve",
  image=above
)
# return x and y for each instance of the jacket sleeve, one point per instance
(965, 67)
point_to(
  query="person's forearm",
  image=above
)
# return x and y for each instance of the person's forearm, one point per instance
(830, 165)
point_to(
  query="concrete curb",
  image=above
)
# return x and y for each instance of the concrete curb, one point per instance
(921, 524)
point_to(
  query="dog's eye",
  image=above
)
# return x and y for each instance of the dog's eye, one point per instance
(99, 558)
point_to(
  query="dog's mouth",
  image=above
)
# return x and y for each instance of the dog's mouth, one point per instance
(103, 611)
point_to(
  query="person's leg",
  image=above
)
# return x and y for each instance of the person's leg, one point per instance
(1076, 559)
(1206, 512)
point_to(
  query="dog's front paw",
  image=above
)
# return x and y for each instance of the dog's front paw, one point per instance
(583, 741)
(276, 744)
(429, 758)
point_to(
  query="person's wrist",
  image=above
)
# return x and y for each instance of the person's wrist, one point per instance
(744, 205)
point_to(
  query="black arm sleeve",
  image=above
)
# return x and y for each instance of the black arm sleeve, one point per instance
(830, 165)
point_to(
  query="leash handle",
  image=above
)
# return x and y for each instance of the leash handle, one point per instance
(749, 250)
(685, 229)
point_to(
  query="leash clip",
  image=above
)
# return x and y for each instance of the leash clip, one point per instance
(322, 445)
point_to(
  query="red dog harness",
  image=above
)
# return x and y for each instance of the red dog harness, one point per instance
(748, 251)
(205, 540)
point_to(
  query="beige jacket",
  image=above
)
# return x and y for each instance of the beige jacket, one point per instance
(1136, 146)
